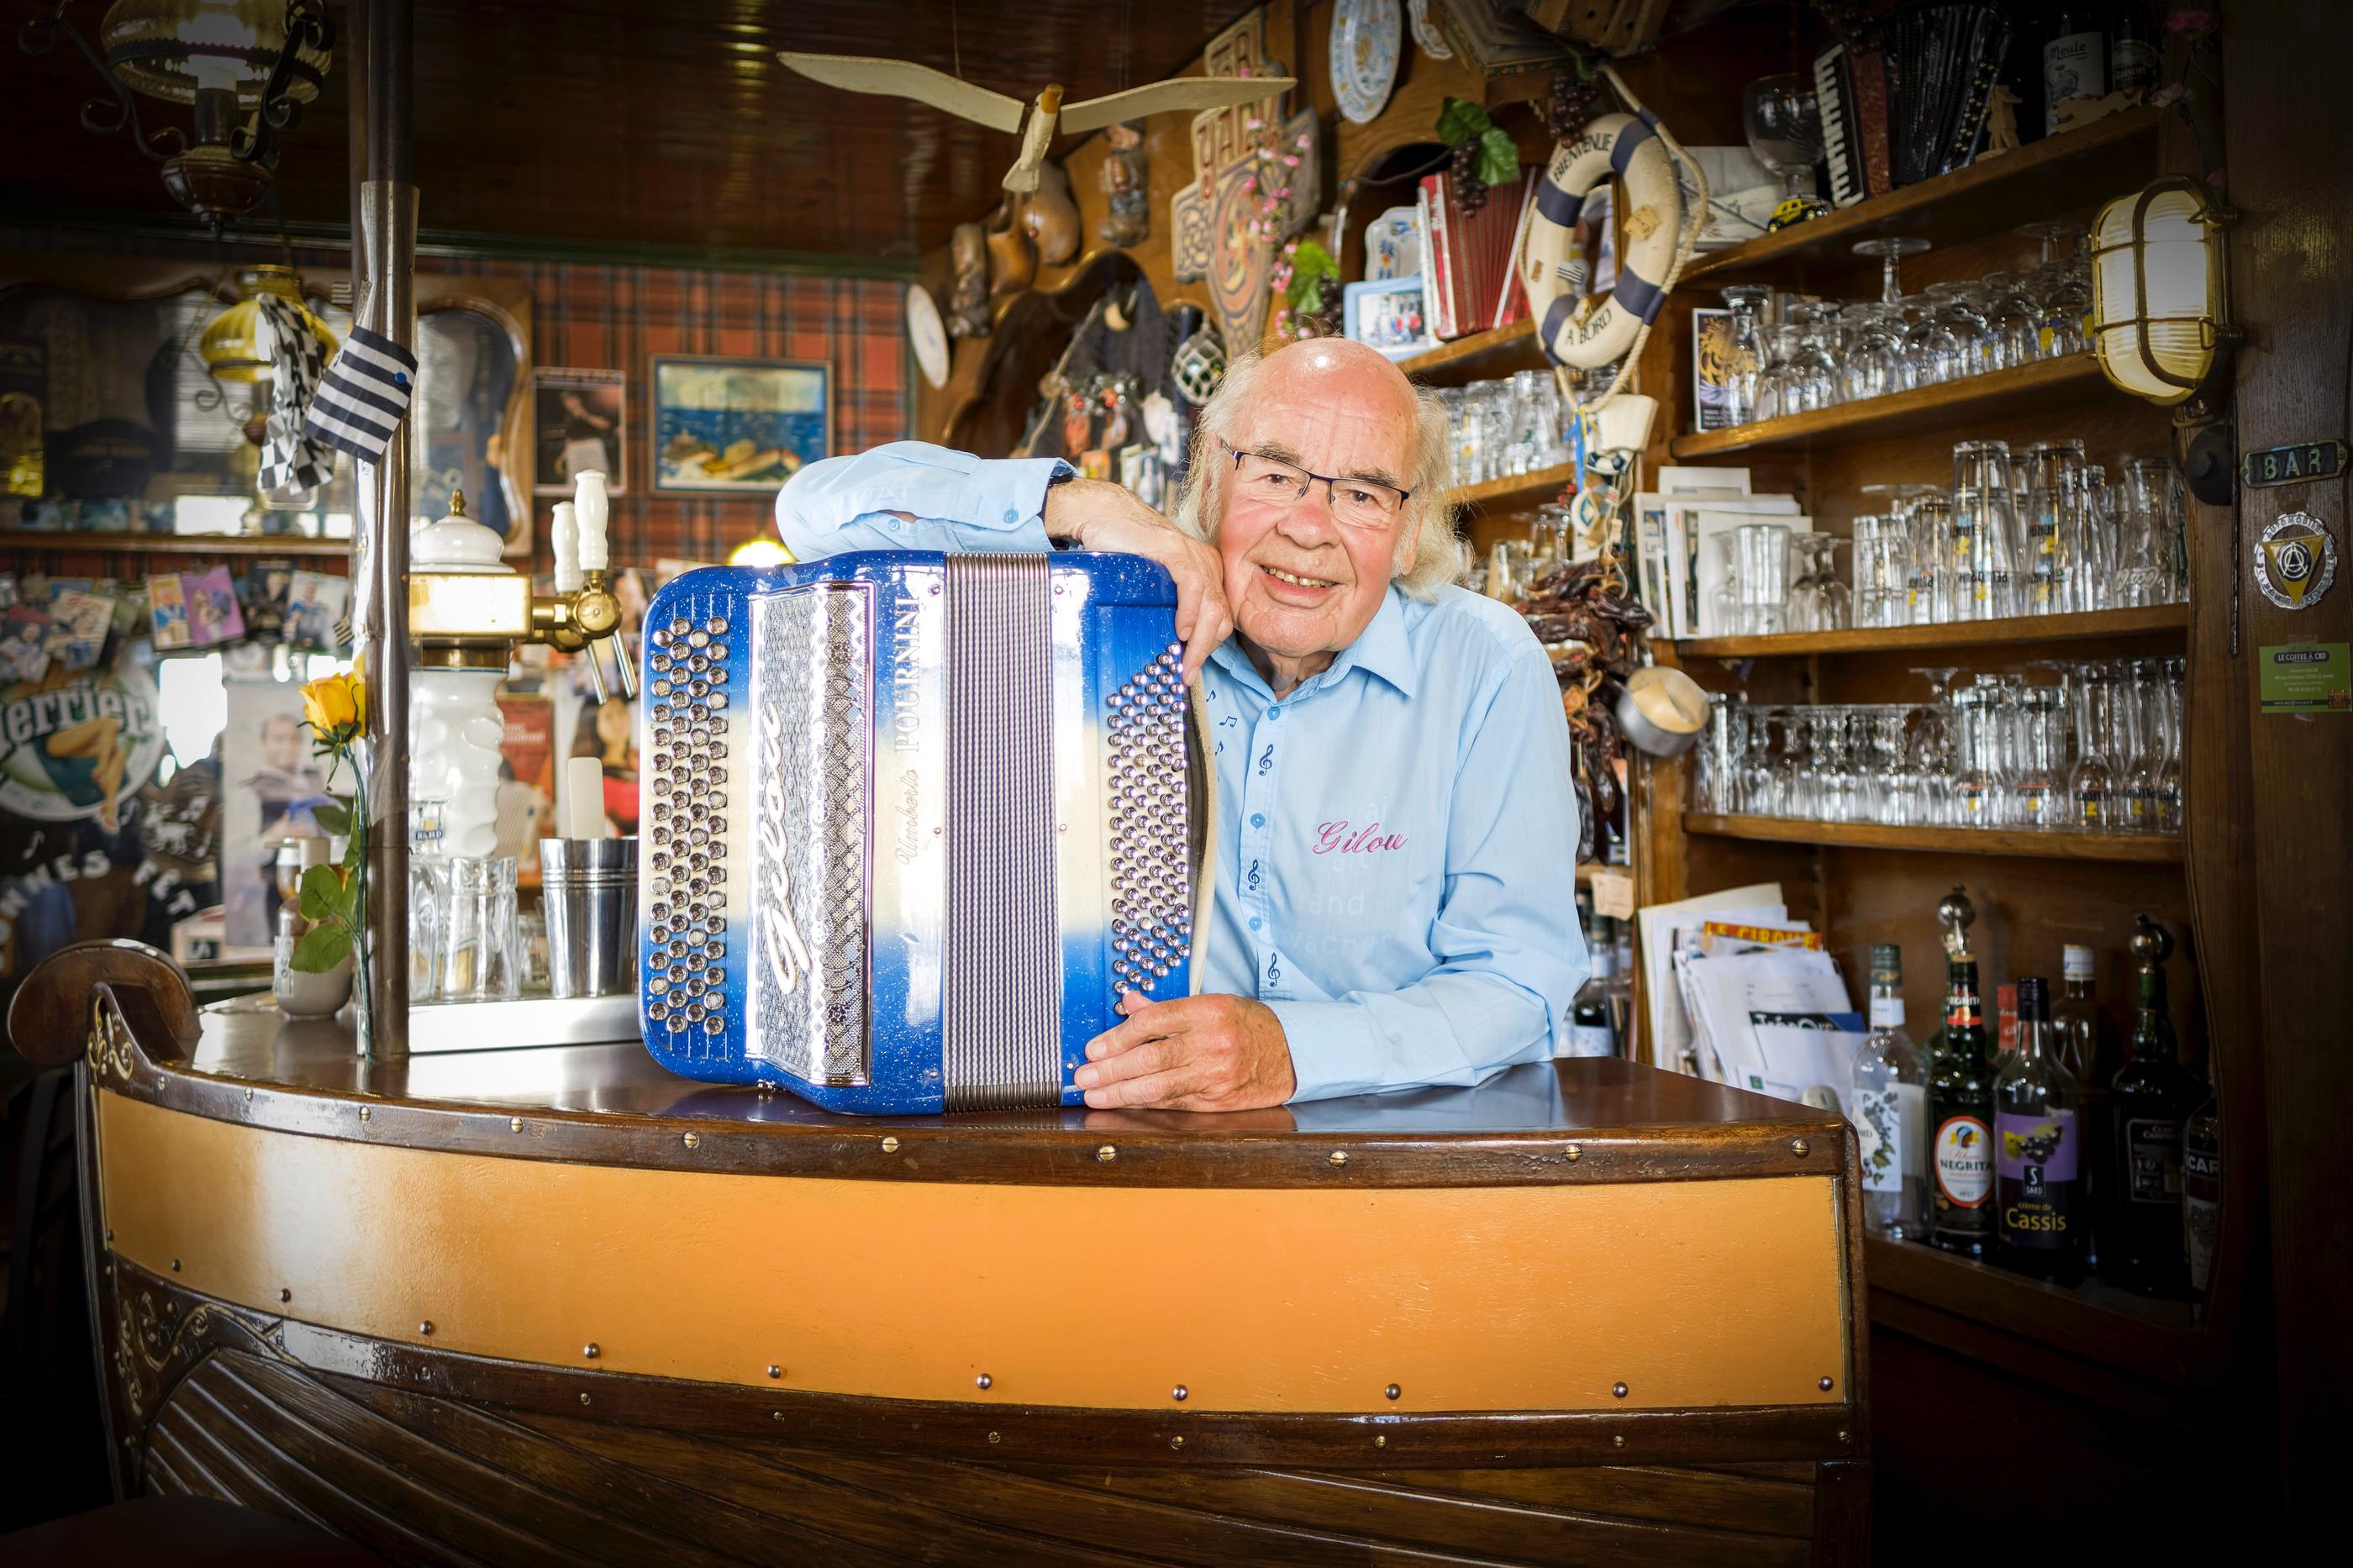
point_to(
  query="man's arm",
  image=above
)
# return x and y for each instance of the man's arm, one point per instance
(912, 495)
(1511, 955)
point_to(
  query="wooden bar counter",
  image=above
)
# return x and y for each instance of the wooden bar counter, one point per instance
(552, 1304)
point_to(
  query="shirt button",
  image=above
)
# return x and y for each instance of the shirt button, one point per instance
(1274, 714)
(1011, 515)
(898, 524)
(1256, 922)
(1258, 819)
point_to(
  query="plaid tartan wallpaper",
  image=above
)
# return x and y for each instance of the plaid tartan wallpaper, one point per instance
(618, 317)
(592, 317)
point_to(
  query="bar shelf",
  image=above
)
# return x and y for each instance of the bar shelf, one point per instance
(2068, 628)
(2023, 389)
(1542, 483)
(2144, 848)
(68, 541)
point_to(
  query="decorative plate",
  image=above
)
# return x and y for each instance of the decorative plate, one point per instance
(1367, 35)
(1425, 31)
(928, 334)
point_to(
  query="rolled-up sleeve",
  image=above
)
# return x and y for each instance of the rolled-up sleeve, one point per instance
(912, 495)
(1511, 955)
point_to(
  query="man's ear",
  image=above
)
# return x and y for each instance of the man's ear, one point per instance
(1408, 545)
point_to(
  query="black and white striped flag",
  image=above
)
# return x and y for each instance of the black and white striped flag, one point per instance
(292, 459)
(360, 403)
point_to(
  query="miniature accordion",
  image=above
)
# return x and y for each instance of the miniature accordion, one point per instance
(912, 821)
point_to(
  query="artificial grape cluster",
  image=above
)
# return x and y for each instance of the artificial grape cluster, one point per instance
(1469, 190)
(1570, 107)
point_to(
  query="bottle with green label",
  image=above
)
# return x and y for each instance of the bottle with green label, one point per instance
(2038, 1150)
(1960, 1113)
(1891, 1111)
(2150, 1097)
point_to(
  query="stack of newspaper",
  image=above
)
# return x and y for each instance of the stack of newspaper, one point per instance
(1677, 557)
(1742, 993)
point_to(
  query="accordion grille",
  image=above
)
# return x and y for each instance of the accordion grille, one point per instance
(1002, 1045)
(1145, 779)
(686, 832)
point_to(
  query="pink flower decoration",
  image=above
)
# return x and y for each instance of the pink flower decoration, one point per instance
(1291, 159)
(2197, 22)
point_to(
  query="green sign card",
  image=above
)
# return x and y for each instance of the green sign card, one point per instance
(2307, 677)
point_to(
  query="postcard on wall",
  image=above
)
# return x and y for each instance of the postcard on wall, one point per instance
(314, 608)
(737, 426)
(1713, 354)
(1389, 314)
(168, 610)
(580, 420)
(211, 606)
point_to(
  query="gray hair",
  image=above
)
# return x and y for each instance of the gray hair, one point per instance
(1437, 556)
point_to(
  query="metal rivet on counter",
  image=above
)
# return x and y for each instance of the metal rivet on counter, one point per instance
(1797, 1147)
(584, 1399)
(1573, 1154)
(176, 1265)
(590, 1351)
(514, 1123)
(691, 1140)
(1619, 1389)
(1392, 1391)
(889, 1145)
(1827, 1384)
(285, 1295)
(1620, 1440)
(426, 1327)
(775, 1372)
(1843, 1437)
(364, 1113)
(1178, 1391)
(1379, 1441)
(1175, 1442)
(775, 1415)
(993, 1438)
(983, 1381)
(109, 1233)
(1339, 1156)
(248, 1096)
(1107, 1154)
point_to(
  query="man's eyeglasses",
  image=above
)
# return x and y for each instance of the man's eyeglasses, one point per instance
(1359, 503)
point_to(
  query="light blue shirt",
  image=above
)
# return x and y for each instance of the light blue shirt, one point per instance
(1395, 853)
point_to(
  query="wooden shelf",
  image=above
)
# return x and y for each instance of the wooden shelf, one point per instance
(2068, 628)
(2025, 389)
(2095, 1321)
(2054, 177)
(2148, 848)
(67, 540)
(1540, 483)
(1477, 357)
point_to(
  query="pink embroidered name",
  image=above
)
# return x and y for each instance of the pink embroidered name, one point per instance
(1333, 837)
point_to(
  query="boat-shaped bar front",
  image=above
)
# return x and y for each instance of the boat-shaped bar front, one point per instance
(551, 1300)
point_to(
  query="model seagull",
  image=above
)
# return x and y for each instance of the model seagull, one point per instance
(1045, 114)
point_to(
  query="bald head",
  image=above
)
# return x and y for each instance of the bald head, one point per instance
(1337, 371)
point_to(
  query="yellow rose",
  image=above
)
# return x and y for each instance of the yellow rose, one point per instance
(334, 706)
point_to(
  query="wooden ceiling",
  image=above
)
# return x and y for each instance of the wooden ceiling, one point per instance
(650, 122)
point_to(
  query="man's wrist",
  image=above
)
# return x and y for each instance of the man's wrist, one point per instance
(1053, 513)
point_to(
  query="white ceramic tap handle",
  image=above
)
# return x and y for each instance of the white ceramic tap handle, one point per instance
(590, 501)
(565, 538)
(583, 806)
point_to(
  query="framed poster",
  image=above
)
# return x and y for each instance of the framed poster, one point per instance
(1387, 314)
(1712, 368)
(580, 419)
(735, 427)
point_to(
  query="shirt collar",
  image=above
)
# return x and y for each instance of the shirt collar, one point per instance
(1382, 648)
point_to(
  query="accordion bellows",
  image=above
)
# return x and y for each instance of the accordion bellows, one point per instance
(913, 822)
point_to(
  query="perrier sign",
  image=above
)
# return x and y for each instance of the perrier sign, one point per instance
(77, 748)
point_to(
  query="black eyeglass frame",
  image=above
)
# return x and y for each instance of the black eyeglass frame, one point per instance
(1238, 454)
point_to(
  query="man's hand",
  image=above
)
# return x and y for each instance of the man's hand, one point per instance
(1195, 1053)
(1099, 515)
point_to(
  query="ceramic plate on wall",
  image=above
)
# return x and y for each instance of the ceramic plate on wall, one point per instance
(1366, 37)
(928, 334)
(1425, 32)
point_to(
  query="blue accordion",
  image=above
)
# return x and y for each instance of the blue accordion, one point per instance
(912, 821)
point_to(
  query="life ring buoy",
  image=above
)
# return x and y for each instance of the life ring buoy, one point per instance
(1573, 329)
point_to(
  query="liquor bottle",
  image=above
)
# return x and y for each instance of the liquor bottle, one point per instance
(2005, 1011)
(1589, 1030)
(2201, 1193)
(2136, 52)
(2079, 1036)
(1960, 1108)
(2140, 1234)
(2038, 1151)
(2074, 59)
(1891, 1111)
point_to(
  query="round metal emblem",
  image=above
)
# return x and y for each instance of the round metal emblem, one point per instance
(2296, 561)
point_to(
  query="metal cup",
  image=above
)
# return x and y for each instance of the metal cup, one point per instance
(589, 887)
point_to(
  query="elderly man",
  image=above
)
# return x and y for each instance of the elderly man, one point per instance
(1396, 853)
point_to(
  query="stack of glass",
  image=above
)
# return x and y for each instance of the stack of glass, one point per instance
(1516, 426)
(2097, 749)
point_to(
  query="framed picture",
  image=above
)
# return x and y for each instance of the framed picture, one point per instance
(1712, 357)
(580, 419)
(1385, 313)
(735, 427)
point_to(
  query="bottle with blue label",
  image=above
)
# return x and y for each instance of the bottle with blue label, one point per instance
(2039, 1165)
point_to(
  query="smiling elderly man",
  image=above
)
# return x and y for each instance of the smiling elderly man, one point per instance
(1396, 853)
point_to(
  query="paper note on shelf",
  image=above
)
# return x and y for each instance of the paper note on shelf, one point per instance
(1656, 925)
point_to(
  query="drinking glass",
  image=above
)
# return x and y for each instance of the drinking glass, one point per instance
(1882, 572)
(1812, 379)
(1784, 123)
(1955, 306)
(1932, 351)
(1893, 785)
(1980, 788)
(1757, 775)
(1716, 775)
(1817, 600)
(479, 959)
(2092, 782)
(2140, 706)
(2169, 812)
(2013, 321)
(1834, 777)
(2040, 791)
(1759, 570)
(1773, 390)
(2144, 535)
(2061, 298)
(1872, 364)
(1551, 537)
(1984, 533)
(2053, 471)
(1931, 750)
(1745, 358)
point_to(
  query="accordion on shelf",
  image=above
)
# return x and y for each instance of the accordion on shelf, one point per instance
(911, 823)
(1907, 98)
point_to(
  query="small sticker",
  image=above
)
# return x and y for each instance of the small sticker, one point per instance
(2300, 464)
(2296, 561)
(2307, 677)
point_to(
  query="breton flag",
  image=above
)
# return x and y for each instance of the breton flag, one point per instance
(360, 403)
